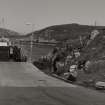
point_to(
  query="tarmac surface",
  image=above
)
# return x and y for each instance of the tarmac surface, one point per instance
(24, 84)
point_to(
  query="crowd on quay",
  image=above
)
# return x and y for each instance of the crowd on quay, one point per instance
(65, 62)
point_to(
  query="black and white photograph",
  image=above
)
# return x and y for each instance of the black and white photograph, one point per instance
(52, 52)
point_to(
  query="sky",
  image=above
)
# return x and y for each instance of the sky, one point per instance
(25, 16)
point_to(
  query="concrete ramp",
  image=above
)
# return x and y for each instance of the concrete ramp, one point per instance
(24, 84)
(19, 74)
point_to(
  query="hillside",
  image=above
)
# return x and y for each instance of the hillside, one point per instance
(8, 33)
(71, 33)
(65, 32)
(96, 48)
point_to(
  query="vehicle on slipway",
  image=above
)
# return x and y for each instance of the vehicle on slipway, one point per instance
(9, 52)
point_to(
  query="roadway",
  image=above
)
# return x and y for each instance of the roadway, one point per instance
(24, 84)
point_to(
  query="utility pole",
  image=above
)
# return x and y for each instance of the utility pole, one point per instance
(95, 23)
(3, 26)
(3, 22)
(31, 41)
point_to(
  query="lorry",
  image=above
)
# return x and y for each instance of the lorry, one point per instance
(9, 52)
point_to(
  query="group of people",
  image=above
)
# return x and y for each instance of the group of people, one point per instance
(64, 62)
(67, 61)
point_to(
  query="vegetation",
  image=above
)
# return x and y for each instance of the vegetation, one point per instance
(8, 33)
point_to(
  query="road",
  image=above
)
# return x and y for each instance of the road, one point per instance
(24, 84)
